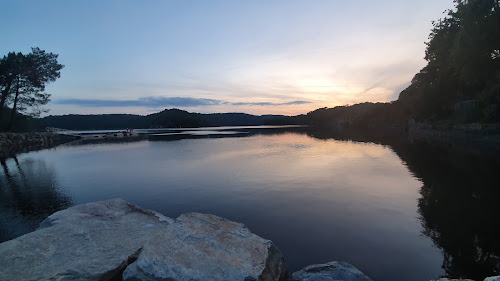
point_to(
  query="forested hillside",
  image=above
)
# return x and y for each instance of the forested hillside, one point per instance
(168, 118)
(461, 80)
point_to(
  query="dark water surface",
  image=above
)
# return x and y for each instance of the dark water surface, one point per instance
(396, 211)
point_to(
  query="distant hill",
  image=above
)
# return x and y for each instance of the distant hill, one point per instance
(168, 118)
(236, 119)
(359, 115)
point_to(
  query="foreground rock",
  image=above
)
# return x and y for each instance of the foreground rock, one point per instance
(98, 241)
(207, 247)
(94, 241)
(332, 271)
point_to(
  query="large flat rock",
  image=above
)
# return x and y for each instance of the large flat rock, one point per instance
(111, 240)
(93, 241)
(207, 247)
(332, 271)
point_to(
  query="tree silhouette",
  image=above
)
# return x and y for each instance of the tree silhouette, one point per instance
(23, 78)
(9, 70)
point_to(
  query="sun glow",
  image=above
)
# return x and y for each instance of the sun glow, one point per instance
(325, 87)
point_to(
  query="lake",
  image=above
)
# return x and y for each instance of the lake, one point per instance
(396, 210)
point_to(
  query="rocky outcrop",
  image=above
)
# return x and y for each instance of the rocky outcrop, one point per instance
(207, 247)
(19, 139)
(94, 241)
(13, 143)
(98, 241)
(332, 271)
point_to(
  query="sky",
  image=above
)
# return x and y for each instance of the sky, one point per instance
(256, 56)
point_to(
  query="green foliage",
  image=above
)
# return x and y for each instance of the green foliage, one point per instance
(463, 64)
(23, 79)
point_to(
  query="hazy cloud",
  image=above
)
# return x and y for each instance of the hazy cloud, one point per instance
(156, 102)
(271, 103)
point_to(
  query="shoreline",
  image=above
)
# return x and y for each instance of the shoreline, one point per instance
(12, 144)
(470, 138)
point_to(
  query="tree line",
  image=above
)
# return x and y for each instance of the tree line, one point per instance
(168, 118)
(463, 64)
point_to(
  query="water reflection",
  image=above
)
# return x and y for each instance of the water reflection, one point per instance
(29, 192)
(319, 196)
(318, 200)
(459, 208)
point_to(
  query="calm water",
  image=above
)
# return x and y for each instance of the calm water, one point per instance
(397, 212)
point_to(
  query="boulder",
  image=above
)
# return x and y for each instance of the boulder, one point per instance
(207, 247)
(332, 271)
(93, 241)
(493, 278)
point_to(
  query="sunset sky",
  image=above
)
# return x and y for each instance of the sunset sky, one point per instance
(260, 56)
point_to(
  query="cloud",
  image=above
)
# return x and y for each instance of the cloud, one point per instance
(157, 102)
(271, 103)
(144, 102)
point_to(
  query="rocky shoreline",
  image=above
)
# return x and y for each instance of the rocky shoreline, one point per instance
(474, 138)
(14, 143)
(115, 240)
